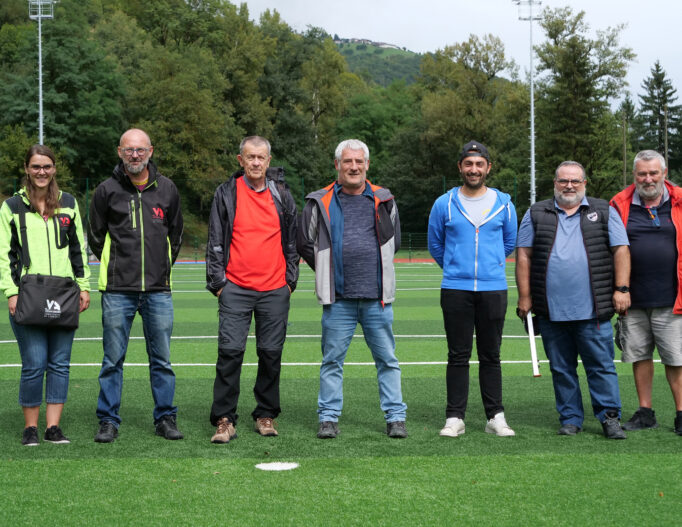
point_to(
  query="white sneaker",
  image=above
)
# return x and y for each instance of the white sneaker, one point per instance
(498, 426)
(454, 426)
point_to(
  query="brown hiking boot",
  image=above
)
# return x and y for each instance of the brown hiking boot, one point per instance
(224, 432)
(265, 426)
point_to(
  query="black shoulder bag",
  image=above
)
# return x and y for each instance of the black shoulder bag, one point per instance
(45, 300)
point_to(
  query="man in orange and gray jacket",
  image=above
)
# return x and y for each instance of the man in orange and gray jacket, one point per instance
(651, 210)
(349, 234)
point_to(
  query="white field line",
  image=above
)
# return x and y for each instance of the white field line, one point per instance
(299, 290)
(254, 364)
(215, 337)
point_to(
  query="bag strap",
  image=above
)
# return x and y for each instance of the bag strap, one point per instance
(25, 258)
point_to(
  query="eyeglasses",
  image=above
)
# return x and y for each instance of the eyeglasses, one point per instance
(653, 214)
(38, 168)
(139, 151)
(574, 182)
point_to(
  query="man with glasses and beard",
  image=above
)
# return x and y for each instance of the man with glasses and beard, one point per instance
(651, 209)
(472, 229)
(135, 230)
(573, 271)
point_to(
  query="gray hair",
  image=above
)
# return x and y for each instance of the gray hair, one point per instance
(569, 164)
(648, 155)
(255, 140)
(351, 144)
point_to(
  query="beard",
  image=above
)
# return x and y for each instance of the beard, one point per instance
(473, 186)
(135, 170)
(650, 192)
(570, 199)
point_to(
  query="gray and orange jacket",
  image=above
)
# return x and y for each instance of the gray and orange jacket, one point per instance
(135, 234)
(320, 240)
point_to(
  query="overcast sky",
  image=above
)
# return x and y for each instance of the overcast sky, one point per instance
(654, 27)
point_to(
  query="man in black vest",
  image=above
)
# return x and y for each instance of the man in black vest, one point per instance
(573, 271)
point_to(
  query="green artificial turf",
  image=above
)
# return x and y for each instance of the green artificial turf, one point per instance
(360, 478)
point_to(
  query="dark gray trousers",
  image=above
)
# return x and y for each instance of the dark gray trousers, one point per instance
(271, 311)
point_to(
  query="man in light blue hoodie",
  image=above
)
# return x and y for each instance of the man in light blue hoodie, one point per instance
(472, 229)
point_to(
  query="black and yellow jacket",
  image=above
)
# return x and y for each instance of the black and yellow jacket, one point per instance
(135, 234)
(55, 246)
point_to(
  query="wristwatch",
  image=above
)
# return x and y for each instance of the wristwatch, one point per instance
(623, 289)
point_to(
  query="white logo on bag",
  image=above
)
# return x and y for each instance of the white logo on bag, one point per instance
(53, 309)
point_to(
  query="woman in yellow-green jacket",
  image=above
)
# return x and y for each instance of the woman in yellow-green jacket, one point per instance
(54, 234)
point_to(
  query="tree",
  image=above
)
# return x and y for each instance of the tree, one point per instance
(82, 91)
(580, 76)
(14, 143)
(458, 98)
(485, 55)
(660, 119)
(628, 120)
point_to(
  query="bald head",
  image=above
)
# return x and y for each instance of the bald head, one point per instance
(136, 135)
(135, 148)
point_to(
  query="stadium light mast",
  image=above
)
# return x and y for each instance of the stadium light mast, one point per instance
(37, 10)
(526, 12)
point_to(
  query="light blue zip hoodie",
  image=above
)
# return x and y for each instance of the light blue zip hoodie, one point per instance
(472, 259)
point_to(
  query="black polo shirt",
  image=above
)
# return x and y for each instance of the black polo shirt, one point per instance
(653, 250)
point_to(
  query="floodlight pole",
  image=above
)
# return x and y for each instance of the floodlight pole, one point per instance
(530, 17)
(37, 10)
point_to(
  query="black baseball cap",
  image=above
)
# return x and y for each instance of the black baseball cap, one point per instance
(474, 148)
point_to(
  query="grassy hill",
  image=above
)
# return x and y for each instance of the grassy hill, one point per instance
(381, 65)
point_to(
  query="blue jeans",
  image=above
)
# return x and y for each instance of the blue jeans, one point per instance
(339, 321)
(593, 341)
(44, 352)
(118, 312)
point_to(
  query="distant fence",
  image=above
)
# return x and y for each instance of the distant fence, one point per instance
(413, 246)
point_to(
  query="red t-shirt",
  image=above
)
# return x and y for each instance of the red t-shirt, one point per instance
(256, 258)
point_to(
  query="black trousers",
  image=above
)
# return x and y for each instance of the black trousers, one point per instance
(236, 308)
(463, 313)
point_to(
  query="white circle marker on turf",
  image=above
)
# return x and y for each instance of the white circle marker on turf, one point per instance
(277, 465)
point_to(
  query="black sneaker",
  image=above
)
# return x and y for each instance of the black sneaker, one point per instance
(328, 430)
(678, 423)
(612, 428)
(569, 430)
(30, 436)
(643, 418)
(55, 435)
(396, 429)
(107, 432)
(167, 428)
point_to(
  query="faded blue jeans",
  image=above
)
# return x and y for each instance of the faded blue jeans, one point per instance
(118, 312)
(45, 352)
(592, 340)
(339, 321)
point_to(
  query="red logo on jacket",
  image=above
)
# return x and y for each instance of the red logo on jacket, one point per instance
(157, 213)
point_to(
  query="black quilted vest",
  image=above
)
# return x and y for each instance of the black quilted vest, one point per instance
(596, 240)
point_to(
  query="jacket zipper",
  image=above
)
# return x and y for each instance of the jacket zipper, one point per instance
(476, 261)
(139, 193)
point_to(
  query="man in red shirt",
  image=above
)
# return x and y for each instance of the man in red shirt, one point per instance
(252, 267)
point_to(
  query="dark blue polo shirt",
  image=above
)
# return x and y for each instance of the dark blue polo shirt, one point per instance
(653, 252)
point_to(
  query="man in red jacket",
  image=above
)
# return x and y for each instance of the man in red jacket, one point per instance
(651, 209)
